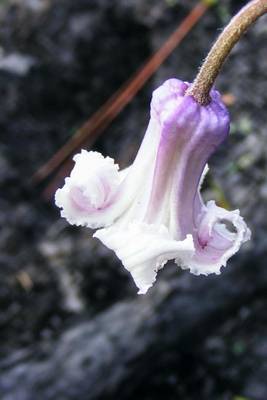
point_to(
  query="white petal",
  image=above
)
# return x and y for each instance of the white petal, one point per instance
(96, 194)
(144, 249)
(216, 243)
(89, 189)
(203, 176)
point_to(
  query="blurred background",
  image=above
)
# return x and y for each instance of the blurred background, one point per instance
(71, 324)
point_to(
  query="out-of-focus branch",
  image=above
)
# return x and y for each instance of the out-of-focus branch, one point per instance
(99, 121)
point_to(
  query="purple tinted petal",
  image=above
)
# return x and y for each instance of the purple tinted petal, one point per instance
(215, 242)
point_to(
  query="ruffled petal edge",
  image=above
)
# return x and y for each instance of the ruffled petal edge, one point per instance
(223, 243)
(144, 249)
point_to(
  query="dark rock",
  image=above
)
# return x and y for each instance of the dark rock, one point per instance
(71, 324)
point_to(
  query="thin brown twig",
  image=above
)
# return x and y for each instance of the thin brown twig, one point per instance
(222, 47)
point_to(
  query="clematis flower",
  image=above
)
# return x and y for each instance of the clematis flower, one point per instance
(152, 211)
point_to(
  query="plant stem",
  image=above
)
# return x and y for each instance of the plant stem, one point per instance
(207, 74)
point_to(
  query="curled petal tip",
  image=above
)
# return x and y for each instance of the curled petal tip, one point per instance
(219, 236)
(89, 189)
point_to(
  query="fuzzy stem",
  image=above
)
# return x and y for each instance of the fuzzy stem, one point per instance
(207, 74)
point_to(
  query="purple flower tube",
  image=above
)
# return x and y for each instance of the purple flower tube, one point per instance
(152, 211)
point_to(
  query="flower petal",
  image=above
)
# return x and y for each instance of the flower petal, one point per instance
(144, 249)
(90, 188)
(219, 236)
(189, 134)
(153, 211)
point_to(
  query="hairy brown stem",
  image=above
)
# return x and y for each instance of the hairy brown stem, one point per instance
(207, 74)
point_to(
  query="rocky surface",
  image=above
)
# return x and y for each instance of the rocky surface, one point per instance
(72, 326)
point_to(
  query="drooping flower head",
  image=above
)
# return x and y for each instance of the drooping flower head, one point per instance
(152, 211)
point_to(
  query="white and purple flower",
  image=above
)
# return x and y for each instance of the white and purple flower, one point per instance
(152, 211)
